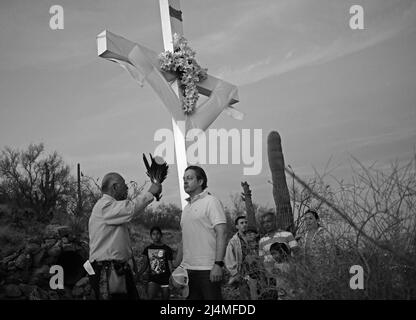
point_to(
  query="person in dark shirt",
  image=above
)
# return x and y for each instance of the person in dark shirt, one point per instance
(159, 265)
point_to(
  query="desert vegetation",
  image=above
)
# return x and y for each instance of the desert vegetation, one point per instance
(370, 220)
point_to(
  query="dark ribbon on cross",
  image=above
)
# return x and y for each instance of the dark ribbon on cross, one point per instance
(175, 13)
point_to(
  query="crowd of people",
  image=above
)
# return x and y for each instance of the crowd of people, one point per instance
(260, 263)
(257, 259)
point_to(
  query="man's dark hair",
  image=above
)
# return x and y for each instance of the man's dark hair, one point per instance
(315, 214)
(280, 247)
(238, 219)
(200, 174)
(155, 228)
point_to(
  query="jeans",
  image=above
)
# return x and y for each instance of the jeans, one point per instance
(201, 287)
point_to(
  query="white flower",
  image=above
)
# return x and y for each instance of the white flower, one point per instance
(182, 61)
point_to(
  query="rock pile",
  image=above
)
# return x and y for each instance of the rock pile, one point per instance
(24, 274)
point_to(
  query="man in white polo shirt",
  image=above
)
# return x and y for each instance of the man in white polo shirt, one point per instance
(203, 224)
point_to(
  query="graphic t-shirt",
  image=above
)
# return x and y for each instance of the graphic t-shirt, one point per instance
(159, 255)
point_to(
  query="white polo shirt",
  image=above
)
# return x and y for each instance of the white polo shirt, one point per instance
(199, 217)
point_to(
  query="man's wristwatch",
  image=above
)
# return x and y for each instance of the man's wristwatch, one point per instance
(220, 263)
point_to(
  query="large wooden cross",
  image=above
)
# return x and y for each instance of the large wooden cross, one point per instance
(116, 48)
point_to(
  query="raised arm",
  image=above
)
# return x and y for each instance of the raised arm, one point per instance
(120, 212)
(246, 195)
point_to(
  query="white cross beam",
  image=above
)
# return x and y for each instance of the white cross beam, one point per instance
(111, 46)
(114, 47)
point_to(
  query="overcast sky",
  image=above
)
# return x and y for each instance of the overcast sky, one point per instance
(331, 92)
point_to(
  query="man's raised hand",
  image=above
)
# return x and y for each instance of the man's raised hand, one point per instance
(155, 189)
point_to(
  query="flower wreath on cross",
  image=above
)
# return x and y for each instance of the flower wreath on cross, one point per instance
(182, 62)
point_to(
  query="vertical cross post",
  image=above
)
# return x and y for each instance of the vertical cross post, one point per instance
(118, 49)
(171, 17)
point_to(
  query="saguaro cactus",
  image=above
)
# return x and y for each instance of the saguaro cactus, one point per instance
(284, 215)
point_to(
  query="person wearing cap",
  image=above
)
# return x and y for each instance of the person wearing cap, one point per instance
(239, 259)
(203, 224)
(109, 241)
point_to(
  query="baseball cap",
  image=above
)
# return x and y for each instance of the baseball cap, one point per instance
(180, 280)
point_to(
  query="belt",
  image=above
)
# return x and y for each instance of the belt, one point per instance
(120, 266)
(104, 262)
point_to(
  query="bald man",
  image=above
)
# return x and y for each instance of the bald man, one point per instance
(110, 246)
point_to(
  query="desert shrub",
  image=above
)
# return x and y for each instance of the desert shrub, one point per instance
(39, 187)
(78, 225)
(166, 216)
(33, 179)
(90, 193)
(372, 224)
(231, 230)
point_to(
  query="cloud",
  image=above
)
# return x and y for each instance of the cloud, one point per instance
(380, 139)
(24, 27)
(103, 159)
(327, 47)
(234, 27)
